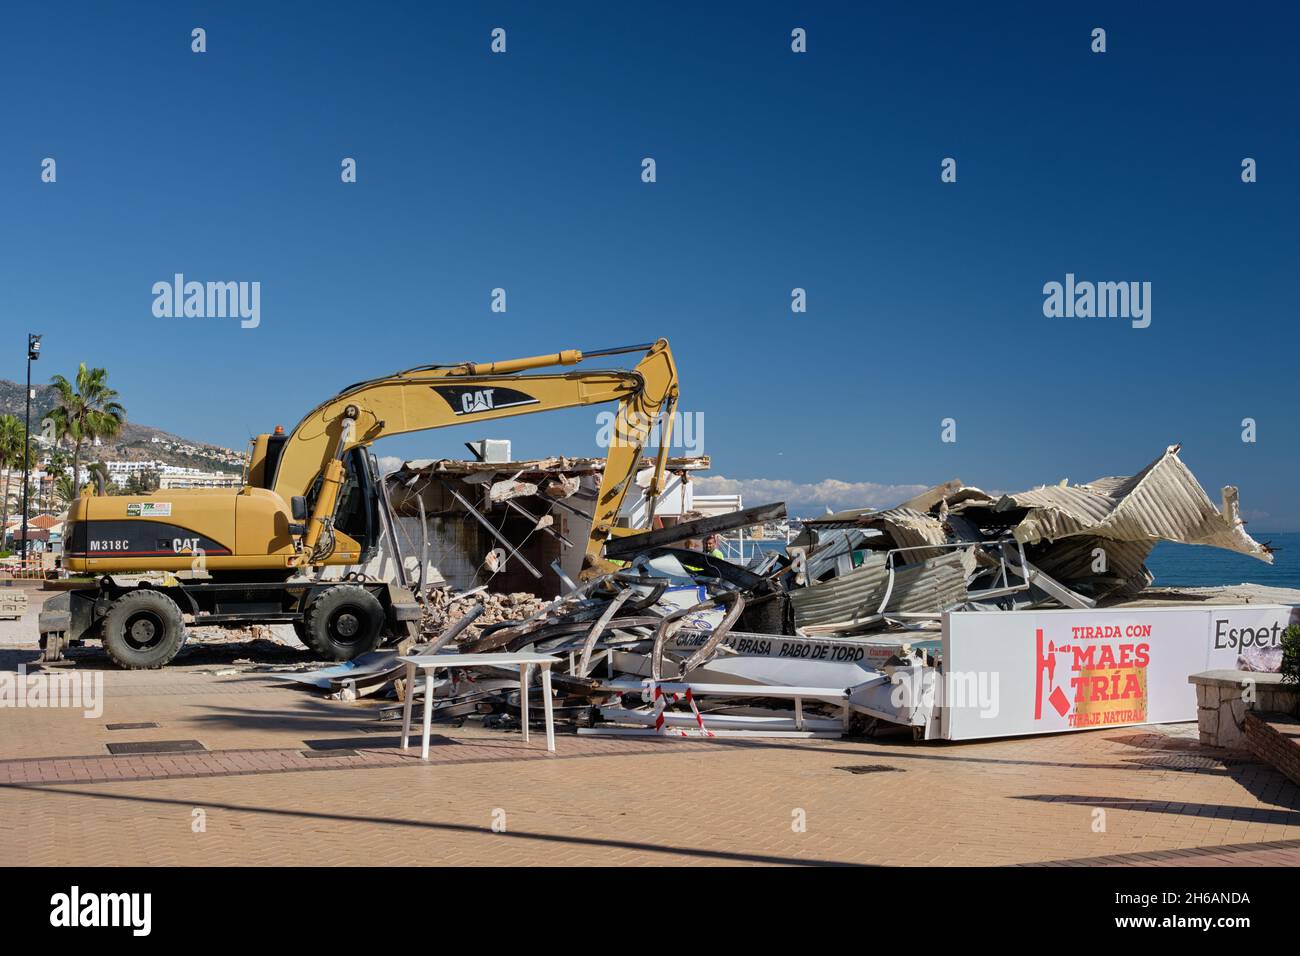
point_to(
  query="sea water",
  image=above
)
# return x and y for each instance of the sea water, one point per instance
(1194, 565)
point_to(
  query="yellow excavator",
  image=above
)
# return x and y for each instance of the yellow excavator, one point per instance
(312, 499)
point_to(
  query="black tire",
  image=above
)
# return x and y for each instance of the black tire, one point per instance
(344, 622)
(143, 630)
(300, 629)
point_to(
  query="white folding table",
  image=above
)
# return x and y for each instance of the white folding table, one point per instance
(429, 663)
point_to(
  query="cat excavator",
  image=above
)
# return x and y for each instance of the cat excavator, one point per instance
(312, 499)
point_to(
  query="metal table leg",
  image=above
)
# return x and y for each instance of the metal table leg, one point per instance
(546, 702)
(523, 698)
(406, 706)
(428, 711)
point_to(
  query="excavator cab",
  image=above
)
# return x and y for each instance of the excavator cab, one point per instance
(359, 499)
(357, 512)
(264, 459)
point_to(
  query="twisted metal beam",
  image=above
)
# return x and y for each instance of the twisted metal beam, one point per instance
(584, 663)
(670, 625)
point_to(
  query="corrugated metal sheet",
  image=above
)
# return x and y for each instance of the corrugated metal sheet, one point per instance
(831, 544)
(909, 529)
(950, 492)
(1074, 562)
(838, 520)
(918, 588)
(930, 499)
(905, 527)
(1163, 501)
(1064, 528)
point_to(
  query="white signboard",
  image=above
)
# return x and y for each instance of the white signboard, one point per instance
(1245, 628)
(1008, 673)
(792, 648)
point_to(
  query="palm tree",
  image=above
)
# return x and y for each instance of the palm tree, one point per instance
(85, 411)
(12, 433)
(65, 489)
(55, 468)
(97, 470)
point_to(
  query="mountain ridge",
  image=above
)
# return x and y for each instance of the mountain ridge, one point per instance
(135, 442)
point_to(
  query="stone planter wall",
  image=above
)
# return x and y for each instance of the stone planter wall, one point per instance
(1221, 709)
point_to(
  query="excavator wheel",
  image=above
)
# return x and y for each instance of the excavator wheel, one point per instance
(300, 629)
(344, 622)
(143, 630)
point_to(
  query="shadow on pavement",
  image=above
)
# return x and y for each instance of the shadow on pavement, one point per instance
(433, 825)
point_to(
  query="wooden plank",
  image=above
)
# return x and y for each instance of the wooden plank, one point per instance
(628, 545)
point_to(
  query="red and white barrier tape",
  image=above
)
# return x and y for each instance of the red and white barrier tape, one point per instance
(661, 701)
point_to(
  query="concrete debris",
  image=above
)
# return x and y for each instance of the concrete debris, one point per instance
(505, 490)
(561, 486)
(442, 609)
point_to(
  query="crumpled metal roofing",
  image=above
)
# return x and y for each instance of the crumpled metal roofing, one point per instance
(1163, 501)
(1092, 538)
(908, 529)
(932, 499)
(852, 598)
(944, 496)
(1074, 562)
(830, 545)
(904, 527)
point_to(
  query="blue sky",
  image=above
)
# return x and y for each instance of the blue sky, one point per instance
(775, 170)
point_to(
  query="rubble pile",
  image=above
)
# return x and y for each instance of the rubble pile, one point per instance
(955, 547)
(443, 608)
(805, 642)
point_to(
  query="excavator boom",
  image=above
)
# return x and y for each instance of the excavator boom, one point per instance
(439, 396)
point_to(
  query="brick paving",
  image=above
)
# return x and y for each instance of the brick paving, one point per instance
(1145, 796)
(1274, 853)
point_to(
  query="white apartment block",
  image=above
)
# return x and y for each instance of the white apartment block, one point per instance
(191, 478)
(170, 476)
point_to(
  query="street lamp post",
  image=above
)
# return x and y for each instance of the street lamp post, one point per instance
(33, 353)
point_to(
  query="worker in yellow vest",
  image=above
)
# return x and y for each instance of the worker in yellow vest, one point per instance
(713, 546)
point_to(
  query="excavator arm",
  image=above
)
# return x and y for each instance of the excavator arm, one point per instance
(438, 396)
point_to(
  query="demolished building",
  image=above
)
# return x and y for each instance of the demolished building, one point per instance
(511, 525)
(811, 641)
